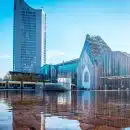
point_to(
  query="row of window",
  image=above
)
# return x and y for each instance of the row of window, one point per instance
(30, 26)
(28, 12)
(115, 65)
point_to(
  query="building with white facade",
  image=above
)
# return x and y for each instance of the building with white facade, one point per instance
(29, 38)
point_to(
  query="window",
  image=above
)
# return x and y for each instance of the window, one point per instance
(86, 77)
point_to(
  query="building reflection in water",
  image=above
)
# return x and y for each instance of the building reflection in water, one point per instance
(55, 123)
(103, 110)
(6, 120)
(55, 116)
(73, 110)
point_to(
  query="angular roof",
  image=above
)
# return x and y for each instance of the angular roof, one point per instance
(68, 62)
(95, 47)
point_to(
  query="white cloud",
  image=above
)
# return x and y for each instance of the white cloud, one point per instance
(5, 57)
(54, 55)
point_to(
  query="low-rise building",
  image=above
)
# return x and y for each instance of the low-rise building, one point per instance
(96, 62)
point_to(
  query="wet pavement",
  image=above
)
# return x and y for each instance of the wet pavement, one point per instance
(76, 110)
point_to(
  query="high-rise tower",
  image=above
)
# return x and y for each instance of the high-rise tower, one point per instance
(29, 38)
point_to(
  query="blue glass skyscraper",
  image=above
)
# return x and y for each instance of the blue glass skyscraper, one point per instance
(29, 38)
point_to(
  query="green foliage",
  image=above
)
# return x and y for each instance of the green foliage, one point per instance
(7, 77)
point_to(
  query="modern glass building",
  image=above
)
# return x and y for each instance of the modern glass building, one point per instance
(97, 65)
(115, 63)
(88, 65)
(49, 72)
(29, 38)
(62, 70)
(68, 70)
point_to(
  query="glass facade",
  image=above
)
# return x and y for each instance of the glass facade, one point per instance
(49, 72)
(96, 62)
(68, 70)
(92, 52)
(27, 41)
(62, 70)
(116, 64)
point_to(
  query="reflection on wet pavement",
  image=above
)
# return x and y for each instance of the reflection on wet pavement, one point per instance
(76, 110)
(58, 123)
(5, 116)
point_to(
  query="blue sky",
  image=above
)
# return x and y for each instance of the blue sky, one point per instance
(68, 21)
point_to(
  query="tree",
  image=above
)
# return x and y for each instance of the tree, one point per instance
(7, 77)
